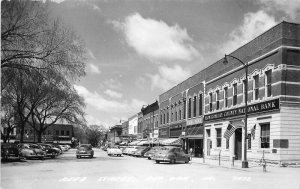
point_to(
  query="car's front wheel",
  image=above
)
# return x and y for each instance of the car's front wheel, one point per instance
(173, 161)
(157, 161)
(91, 156)
(78, 157)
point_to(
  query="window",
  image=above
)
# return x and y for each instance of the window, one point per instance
(195, 105)
(57, 132)
(175, 116)
(62, 132)
(244, 88)
(268, 83)
(200, 104)
(256, 87)
(217, 99)
(210, 101)
(226, 97)
(219, 137)
(172, 117)
(227, 143)
(164, 118)
(68, 133)
(190, 108)
(184, 109)
(168, 117)
(234, 98)
(249, 141)
(208, 132)
(179, 114)
(161, 119)
(265, 135)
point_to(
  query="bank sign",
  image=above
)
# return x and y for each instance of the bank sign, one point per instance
(254, 108)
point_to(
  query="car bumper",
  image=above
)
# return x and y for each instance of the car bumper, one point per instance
(161, 159)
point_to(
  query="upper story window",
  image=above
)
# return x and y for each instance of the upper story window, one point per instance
(167, 116)
(190, 108)
(172, 116)
(256, 87)
(161, 119)
(195, 106)
(164, 118)
(268, 83)
(200, 105)
(234, 97)
(184, 109)
(62, 132)
(226, 97)
(175, 116)
(179, 114)
(217, 99)
(210, 101)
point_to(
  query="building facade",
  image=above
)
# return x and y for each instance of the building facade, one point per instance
(115, 134)
(133, 125)
(150, 120)
(202, 108)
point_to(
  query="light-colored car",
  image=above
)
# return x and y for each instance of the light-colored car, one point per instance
(30, 151)
(141, 151)
(132, 150)
(114, 151)
(64, 148)
(85, 150)
(171, 154)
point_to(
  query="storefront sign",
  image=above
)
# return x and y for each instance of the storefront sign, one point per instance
(194, 121)
(254, 108)
(164, 132)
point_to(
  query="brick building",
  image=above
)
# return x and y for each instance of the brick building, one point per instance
(150, 120)
(214, 99)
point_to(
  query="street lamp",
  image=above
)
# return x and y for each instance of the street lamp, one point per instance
(244, 160)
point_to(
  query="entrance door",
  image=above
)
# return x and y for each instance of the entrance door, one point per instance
(238, 144)
(198, 147)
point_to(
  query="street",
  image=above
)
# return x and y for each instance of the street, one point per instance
(129, 172)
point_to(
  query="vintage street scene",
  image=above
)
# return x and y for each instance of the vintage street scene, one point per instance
(150, 94)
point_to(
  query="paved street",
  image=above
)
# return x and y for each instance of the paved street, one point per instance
(128, 172)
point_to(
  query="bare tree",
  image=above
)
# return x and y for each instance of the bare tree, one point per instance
(30, 39)
(7, 122)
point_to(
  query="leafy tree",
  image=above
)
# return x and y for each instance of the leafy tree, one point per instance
(95, 133)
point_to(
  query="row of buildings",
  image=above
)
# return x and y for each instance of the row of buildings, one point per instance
(207, 110)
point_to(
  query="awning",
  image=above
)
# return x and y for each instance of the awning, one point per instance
(171, 142)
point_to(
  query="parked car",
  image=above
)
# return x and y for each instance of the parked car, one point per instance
(57, 147)
(132, 150)
(115, 151)
(152, 151)
(171, 154)
(125, 150)
(49, 151)
(85, 150)
(30, 151)
(9, 151)
(64, 148)
(104, 148)
(141, 151)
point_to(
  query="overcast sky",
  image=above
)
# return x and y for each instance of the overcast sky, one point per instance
(138, 49)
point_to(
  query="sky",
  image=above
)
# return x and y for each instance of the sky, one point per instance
(139, 49)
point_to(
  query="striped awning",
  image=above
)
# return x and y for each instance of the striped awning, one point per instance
(171, 141)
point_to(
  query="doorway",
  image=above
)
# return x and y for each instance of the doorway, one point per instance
(238, 144)
(197, 146)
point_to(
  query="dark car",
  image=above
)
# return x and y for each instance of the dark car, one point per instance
(152, 151)
(141, 151)
(85, 150)
(49, 150)
(10, 151)
(171, 154)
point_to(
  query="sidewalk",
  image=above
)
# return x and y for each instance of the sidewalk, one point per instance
(252, 166)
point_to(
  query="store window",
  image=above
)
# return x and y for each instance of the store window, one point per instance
(256, 87)
(208, 132)
(244, 88)
(265, 135)
(200, 105)
(62, 133)
(234, 97)
(226, 97)
(219, 137)
(227, 143)
(268, 83)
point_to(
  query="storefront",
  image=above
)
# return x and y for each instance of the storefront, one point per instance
(164, 132)
(193, 137)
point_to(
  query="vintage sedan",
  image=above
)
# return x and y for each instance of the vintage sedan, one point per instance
(171, 154)
(114, 151)
(141, 151)
(85, 150)
(30, 151)
(152, 151)
(49, 151)
(130, 151)
(9, 151)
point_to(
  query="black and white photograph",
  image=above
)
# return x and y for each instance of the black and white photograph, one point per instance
(150, 94)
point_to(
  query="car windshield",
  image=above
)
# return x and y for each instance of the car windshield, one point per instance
(85, 146)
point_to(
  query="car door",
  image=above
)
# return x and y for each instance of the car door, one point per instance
(180, 155)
